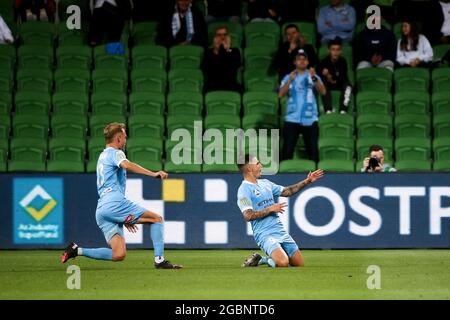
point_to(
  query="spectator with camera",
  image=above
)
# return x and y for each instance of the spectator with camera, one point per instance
(375, 161)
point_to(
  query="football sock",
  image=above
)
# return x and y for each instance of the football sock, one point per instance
(271, 263)
(97, 253)
(263, 261)
(157, 234)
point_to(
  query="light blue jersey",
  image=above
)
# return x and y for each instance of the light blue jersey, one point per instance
(269, 232)
(111, 177)
(301, 102)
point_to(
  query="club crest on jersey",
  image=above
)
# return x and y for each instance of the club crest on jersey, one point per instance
(256, 192)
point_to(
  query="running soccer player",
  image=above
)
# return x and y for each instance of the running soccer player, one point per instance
(258, 200)
(115, 211)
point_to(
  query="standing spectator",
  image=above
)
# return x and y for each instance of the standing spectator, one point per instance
(301, 115)
(184, 25)
(224, 10)
(5, 33)
(445, 28)
(262, 10)
(413, 49)
(375, 48)
(284, 59)
(333, 69)
(336, 20)
(32, 10)
(108, 19)
(221, 63)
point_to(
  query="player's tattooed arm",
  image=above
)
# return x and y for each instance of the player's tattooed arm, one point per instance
(250, 214)
(293, 189)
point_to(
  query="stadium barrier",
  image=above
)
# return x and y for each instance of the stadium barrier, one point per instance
(397, 210)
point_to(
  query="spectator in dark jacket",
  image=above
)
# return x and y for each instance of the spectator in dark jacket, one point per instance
(221, 63)
(184, 25)
(333, 70)
(375, 48)
(284, 59)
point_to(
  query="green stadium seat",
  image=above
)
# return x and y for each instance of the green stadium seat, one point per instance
(171, 167)
(27, 154)
(103, 60)
(7, 57)
(149, 80)
(260, 121)
(95, 146)
(258, 58)
(72, 80)
(30, 126)
(413, 165)
(147, 103)
(5, 127)
(110, 80)
(70, 103)
(35, 56)
(223, 102)
(4, 148)
(363, 145)
(373, 102)
(220, 168)
(34, 79)
(66, 155)
(441, 103)
(6, 80)
(441, 166)
(336, 148)
(147, 152)
(412, 102)
(296, 165)
(374, 79)
(99, 121)
(146, 126)
(186, 57)
(336, 165)
(262, 34)
(67, 37)
(412, 125)
(336, 125)
(412, 149)
(441, 149)
(374, 125)
(255, 80)
(5, 103)
(177, 150)
(37, 103)
(397, 29)
(412, 79)
(149, 57)
(260, 103)
(109, 103)
(37, 33)
(189, 80)
(183, 121)
(74, 57)
(439, 51)
(335, 102)
(222, 121)
(307, 30)
(441, 80)
(441, 125)
(69, 126)
(144, 33)
(185, 103)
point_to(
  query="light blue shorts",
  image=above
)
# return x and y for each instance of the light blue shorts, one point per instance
(111, 216)
(269, 244)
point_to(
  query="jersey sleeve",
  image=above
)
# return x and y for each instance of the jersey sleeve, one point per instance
(244, 201)
(117, 157)
(276, 189)
(284, 80)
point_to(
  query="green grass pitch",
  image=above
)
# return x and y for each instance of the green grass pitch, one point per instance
(216, 274)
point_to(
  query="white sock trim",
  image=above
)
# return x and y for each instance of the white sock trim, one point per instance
(159, 259)
(80, 251)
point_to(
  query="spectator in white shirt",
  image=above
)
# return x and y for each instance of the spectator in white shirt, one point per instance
(5, 33)
(413, 49)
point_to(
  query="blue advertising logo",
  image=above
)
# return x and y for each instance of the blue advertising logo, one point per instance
(38, 211)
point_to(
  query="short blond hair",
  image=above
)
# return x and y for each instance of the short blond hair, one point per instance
(111, 130)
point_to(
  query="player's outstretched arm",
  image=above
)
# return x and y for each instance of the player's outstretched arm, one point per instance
(250, 214)
(135, 168)
(293, 189)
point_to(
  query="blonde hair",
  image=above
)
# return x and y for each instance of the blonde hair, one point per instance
(111, 130)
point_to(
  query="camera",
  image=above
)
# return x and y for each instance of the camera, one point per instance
(373, 163)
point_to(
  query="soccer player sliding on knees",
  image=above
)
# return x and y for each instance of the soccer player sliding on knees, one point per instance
(258, 201)
(114, 210)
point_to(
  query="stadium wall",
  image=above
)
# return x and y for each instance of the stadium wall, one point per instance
(408, 210)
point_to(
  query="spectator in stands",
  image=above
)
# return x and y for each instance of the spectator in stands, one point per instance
(302, 115)
(295, 10)
(262, 10)
(32, 10)
(108, 20)
(184, 25)
(221, 63)
(336, 20)
(285, 56)
(5, 33)
(413, 49)
(445, 28)
(224, 10)
(375, 48)
(333, 69)
(375, 161)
